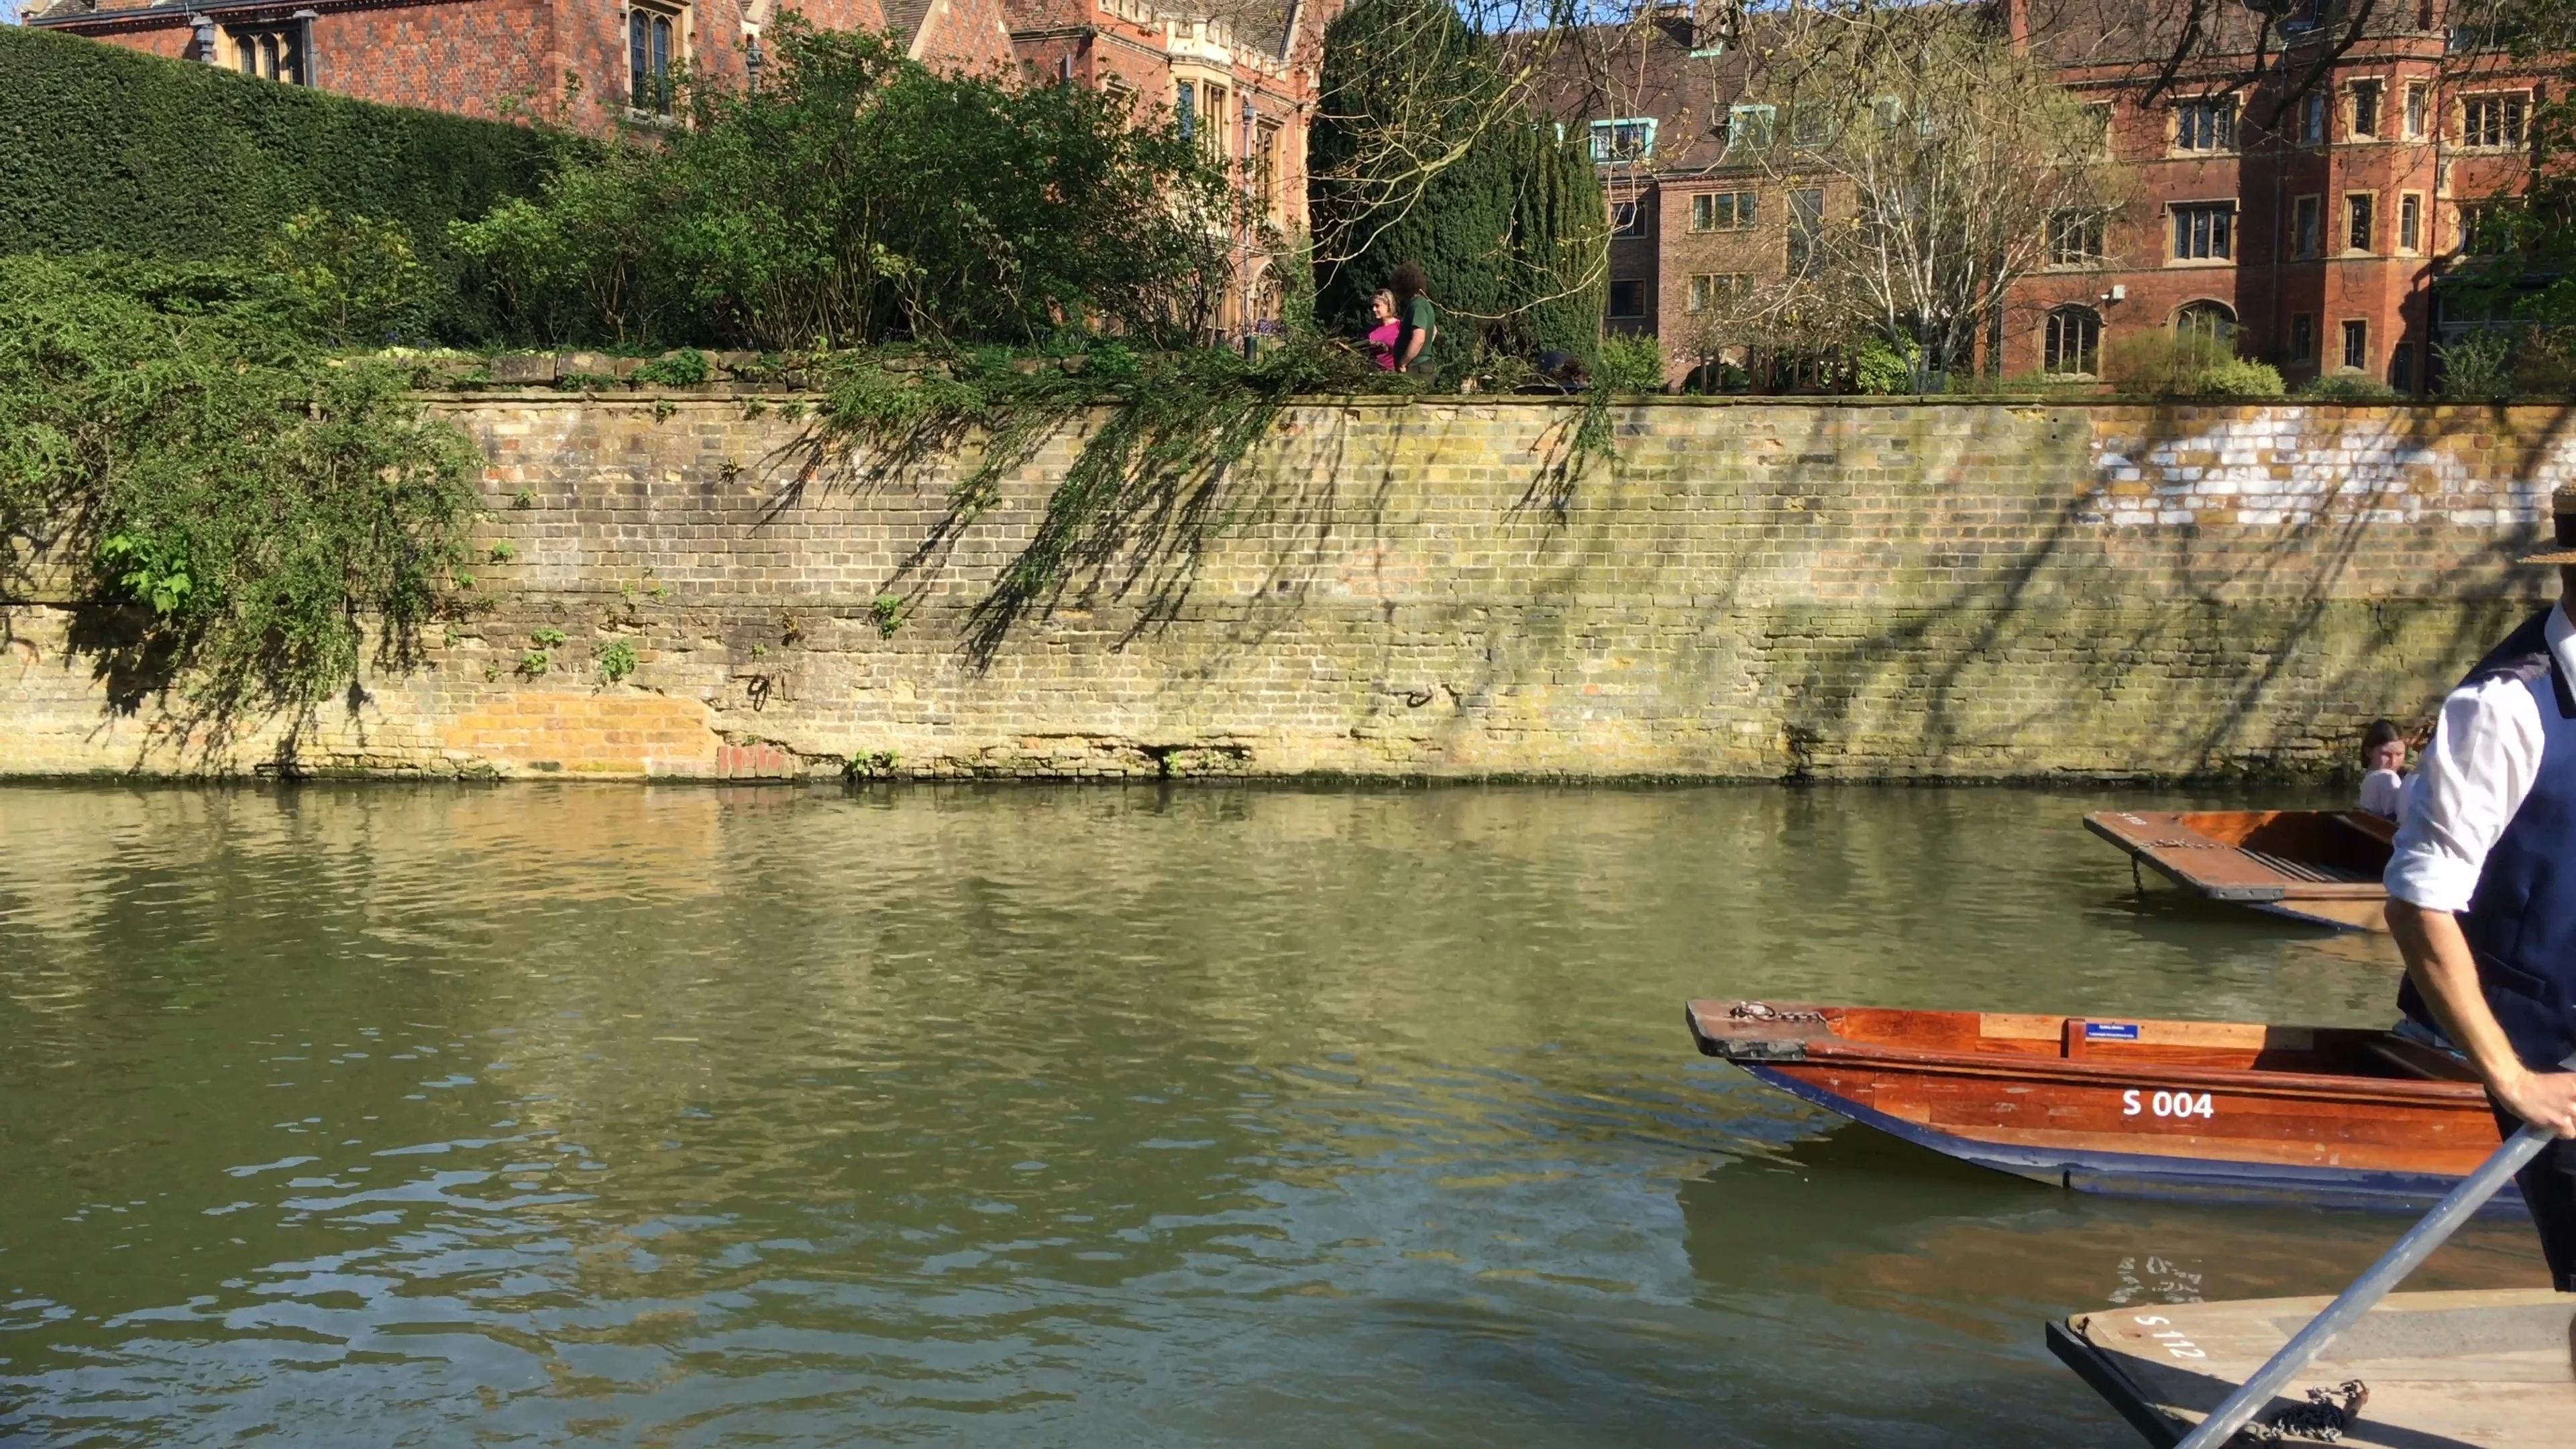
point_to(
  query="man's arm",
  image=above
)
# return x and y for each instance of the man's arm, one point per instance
(2437, 957)
(2474, 775)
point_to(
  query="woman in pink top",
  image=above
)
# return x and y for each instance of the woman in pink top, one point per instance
(1382, 334)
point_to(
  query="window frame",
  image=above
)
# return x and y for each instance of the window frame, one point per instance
(2224, 324)
(645, 24)
(2091, 228)
(2301, 347)
(2513, 123)
(1628, 219)
(2307, 227)
(2205, 125)
(2088, 351)
(2356, 336)
(2410, 223)
(1741, 211)
(1607, 148)
(1707, 289)
(2312, 119)
(1740, 119)
(2377, 91)
(1806, 224)
(1610, 302)
(2217, 233)
(2360, 223)
(2418, 109)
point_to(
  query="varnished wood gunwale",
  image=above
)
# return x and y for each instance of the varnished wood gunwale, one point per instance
(2337, 1114)
(2315, 1086)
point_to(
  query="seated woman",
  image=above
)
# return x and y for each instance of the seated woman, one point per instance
(2383, 754)
(1382, 330)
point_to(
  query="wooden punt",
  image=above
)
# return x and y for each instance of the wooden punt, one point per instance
(2318, 866)
(2193, 1109)
(2487, 1369)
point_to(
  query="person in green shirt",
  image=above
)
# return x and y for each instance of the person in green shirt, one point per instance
(1417, 321)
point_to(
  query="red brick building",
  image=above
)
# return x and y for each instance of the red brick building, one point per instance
(590, 67)
(1239, 73)
(2310, 227)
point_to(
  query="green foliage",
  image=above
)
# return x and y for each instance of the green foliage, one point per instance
(1417, 157)
(869, 765)
(170, 439)
(355, 276)
(2163, 363)
(2245, 377)
(1151, 469)
(859, 194)
(546, 638)
(2339, 386)
(1630, 362)
(104, 147)
(887, 610)
(687, 367)
(533, 663)
(617, 660)
(2478, 366)
(1882, 369)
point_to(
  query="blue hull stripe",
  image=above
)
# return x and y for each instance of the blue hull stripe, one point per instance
(2142, 1174)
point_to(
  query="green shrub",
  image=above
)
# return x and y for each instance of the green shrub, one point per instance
(2238, 377)
(2160, 363)
(107, 148)
(2349, 387)
(234, 508)
(685, 368)
(1882, 369)
(356, 277)
(2478, 366)
(859, 194)
(1630, 362)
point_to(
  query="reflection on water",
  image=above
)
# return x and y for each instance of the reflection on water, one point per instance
(686, 1116)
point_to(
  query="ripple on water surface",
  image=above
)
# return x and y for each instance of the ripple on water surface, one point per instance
(684, 1116)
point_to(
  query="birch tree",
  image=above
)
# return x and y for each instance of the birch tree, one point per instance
(1928, 160)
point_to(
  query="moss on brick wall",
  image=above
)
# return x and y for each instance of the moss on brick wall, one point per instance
(102, 147)
(1846, 591)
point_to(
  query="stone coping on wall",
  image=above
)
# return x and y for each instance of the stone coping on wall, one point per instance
(2179, 407)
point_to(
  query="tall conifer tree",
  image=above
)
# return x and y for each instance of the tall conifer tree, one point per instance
(1419, 154)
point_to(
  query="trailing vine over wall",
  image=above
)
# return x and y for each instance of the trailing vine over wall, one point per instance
(1148, 484)
(233, 510)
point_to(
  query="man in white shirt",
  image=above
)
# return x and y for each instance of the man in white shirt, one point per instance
(2482, 887)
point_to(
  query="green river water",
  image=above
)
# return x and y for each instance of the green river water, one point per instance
(571, 1115)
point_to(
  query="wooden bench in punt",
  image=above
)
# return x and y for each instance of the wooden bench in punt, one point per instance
(2476, 1370)
(2318, 866)
(2196, 1109)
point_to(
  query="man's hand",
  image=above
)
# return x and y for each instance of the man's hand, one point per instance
(2546, 1098)
(2438, 957)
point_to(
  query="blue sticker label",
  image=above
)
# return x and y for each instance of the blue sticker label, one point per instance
(2110, 1031)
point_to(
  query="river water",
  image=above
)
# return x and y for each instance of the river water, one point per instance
(570, 1115)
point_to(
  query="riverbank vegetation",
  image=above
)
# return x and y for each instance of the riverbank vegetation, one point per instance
(208, 439)
(179, 449)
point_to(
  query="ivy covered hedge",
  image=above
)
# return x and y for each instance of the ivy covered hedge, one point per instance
(102, 147)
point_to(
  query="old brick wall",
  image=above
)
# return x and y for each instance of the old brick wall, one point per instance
(1406, 589)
